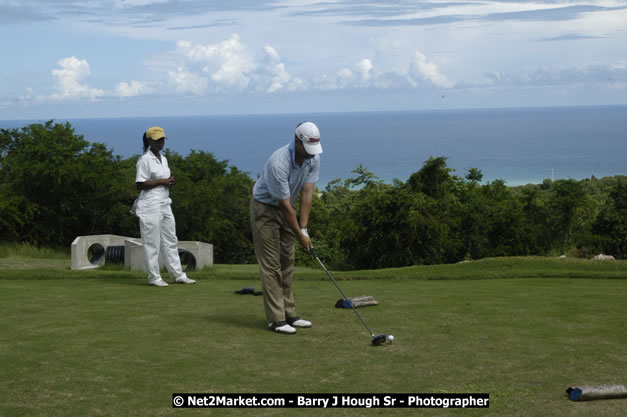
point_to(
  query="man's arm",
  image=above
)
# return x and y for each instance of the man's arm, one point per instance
(306, 198)
(290, 216)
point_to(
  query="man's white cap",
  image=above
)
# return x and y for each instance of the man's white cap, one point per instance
(309, 134)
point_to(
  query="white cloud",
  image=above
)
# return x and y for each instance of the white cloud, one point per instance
(70, 84)
(345, 78)
(271, 53)
(613, 76)
(364, 67)
(122, 4)
(276, 69)
(365, 74)
(272, 76)
(187, 82)
(228, 62)
(229, 66)
(68, 80)
(358, 76)
(134, 88)
(236, 49)
(427, 70)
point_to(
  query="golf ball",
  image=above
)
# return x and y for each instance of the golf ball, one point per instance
(391, 338)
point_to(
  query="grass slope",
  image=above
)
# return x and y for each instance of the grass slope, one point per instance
(24, 267)
(76, 343)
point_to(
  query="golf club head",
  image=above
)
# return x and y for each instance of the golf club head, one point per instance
(378, 339)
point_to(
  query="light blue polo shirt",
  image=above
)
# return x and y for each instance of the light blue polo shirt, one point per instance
(282, 178)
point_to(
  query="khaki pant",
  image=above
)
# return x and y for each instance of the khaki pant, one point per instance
(274, 246)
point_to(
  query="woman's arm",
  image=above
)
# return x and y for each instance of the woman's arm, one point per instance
(147, 185)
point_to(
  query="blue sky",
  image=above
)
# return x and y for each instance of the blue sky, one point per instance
(109, 58)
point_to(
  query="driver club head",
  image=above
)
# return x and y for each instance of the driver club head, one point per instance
(378, 339)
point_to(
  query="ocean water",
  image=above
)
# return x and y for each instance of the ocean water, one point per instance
(519, 146)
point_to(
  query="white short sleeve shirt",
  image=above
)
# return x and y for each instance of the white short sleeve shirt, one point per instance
(150, 168)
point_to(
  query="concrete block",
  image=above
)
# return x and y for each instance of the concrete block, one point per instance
(89, 251)
(202, 252)
(134, 255)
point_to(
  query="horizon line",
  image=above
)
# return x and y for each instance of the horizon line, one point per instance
(434, 110)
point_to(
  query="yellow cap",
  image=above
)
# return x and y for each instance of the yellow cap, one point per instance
(155, 133)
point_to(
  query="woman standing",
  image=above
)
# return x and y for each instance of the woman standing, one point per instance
(156, 221)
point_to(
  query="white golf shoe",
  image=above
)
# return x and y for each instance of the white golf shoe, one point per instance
(185, 280)
(281, 327)
(298, 322)
(159, 283)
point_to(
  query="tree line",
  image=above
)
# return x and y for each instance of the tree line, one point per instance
(55, 185)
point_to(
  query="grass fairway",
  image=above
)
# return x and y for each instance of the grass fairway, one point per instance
(102, 342)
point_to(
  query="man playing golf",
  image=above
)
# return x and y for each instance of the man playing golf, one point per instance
(290, 170)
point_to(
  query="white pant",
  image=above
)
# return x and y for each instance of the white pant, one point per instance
(158, 230)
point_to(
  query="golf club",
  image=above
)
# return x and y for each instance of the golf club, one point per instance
(376, 339)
